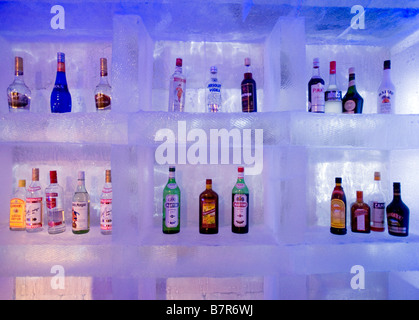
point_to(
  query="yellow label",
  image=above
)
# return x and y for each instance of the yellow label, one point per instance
(208, 214)
(337, 214)
(17, 213)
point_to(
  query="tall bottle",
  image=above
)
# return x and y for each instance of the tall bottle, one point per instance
(171, 204)
(106, 205)
(333, 96)
(352, 102)
(248, 89)
(103, 91)
(34, 207)
(54, 194)
(60, 96)
(386, 91)
(316, 89)
(213, 94)
(377, 205)
(18, 93)
(338, 209)
(397, 214)
(240, 205)
(208, 210)
(360, 215)
(81, 207)
(177, 88)
(18, 208)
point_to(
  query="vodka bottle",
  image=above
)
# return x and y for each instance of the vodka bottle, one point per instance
(103, 91)
(333, 96)
(352, 102)
(106, 205)
(81, 207)
(60, 96)
(171, 204)
(208, 210)
(54, 194)
(213, 92)
(248, 89)
(34, 207)
(316, 90)
(397, 214)
(18, 207)
(377, 205)
(386, 91)
(18, 94)
(177, 88)
(240, 205)
(338, 209)
(360, 215)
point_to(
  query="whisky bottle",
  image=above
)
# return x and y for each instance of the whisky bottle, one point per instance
(34, 207)
(360, 215)
(333, 96)
(177, 88)
(171, 204)
(106, 205)
(338, 209)
(352, 102)
(386, 91)
(248, 89)
(103, 91)
(18, 208)
(60, 96)
(397, 214)
(240, 205)
(18, 93)
(377, 205)
(55, 205)
(316, 90)
(208, 210)
(81, 207)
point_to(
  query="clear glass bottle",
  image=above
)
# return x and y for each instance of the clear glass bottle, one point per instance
(171, 204)
(360, 215)
(386, 91)
(248, 89)
(81, 207)
(352, 102)
(240, 205)
(397, 214)
(106, 205)
(103, 91)
(208, 210)
(18, 93)
(333, 96)
(34, 207)
(177, 88)
(213, 95)
(54, 194)
(377, 205)
(18, 208)
(338, 209)
(60, 96)
(316, 89)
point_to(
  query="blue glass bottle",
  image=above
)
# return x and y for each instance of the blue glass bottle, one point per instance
(60, 96)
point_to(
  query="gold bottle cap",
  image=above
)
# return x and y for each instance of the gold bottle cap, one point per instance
(22, 184)
(377, 176)
(103, 67)
(35, 174)
(108, 177)
(18, 66)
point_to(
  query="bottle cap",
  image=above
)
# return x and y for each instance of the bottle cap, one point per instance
(213, 69)
(60, 57)
(108, 176)
(338, 180)
(18, 66)
(35, 174)
(178, 62)
(359, 195)
(247, 62)
(172, 169)
(351, 70)
(332, 67)
(53, 176)
(396, 187)
(316, 63)
(22, 183)
(387, 64)
(209, 181)
(240, 169)
(103, 67)
(80, 175)
(377, 176)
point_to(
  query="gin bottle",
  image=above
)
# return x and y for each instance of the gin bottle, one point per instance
(34, 207)
(103, 97)
(240, 205)
(18, 208)
(106, 205)
(177, 88)
(60, 96)
(18, 93)
(213, 92)
(81, 207)
(171, 204)
(55, 205)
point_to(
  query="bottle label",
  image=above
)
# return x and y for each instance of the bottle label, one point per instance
(214, 87)
(248, 97)
(17, 100)
(377, 214)
(103, 101)
(208, 214)
(349, 106)
(360, 217)
(178, 93)
(80, 215)
(17, 213)
(33, 213)
(338, 213)
(385, 97)
(106, 214)
(240, 207)
(396, 223)
(171, 206)
(317, 97)
(172, 185)
(333, 95)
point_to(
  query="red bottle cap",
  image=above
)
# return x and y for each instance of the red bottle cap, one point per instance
(53, 176)
(241, 169)
(332, 67)
(178, 62)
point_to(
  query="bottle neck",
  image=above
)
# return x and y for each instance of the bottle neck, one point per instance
(387, 75)
(178, 69)
(104, 79)
(80, 185)
(172, 176)
(332, 80)
(240, 177)
(208, 186)
(352, 81)
(316, 72)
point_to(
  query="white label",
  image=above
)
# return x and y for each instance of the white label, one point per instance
(33, 213)
(106, 214)
(360, 219)
(240, 205)
(385, 97)
(377, 214)
(171, 206)
(317, 97)
(80, 215)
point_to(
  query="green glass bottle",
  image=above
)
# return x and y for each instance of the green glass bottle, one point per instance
(240, 205)
(171, 204)
(352, 102)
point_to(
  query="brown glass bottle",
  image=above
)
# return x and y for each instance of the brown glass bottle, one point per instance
(360, 215)
(338, 209)
(208, 210)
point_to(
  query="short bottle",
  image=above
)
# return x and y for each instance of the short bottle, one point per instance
(240, 205)
(54, 194)
(248, 89)
(352, 102)
(208, 210)
(177, 88)
(106, 205)
(377, 205)
(386, 91)
(213, 94)
(397, 214)
(81, 207)
(316, 90)
(338, 209)
(103, 91)
(171, 204)
(360, 215)
(60, 96)
(34, 204)
(333, 96)
(18, 208)
(18, 93)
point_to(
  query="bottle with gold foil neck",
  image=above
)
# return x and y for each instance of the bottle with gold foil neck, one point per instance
(18, 208)
(106, 205)
(34, 204)
(18, 93)
(103, 91)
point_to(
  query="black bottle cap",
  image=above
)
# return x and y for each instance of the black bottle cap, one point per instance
(338, 180)
(387, 64)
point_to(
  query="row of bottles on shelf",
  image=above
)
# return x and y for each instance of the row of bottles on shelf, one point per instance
(366, 218)
(26, 206)
(19, 95)
(330, 100)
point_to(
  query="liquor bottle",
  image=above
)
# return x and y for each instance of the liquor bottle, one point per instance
(34, 207)
(208, 210)
(386, 91)
(316, 89)
(171, 204)
(54, 194)
(81, 207)
(213, 92)
(60, 96)
(338, 209)
(18, 208)
(333, 96)
(352, 102)
(377, 205)
(103, 91)
(397, 214)
(240, 205)
(18, 93)
(106, 205)
(177, 88)
(248, 89)
(360, 215)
